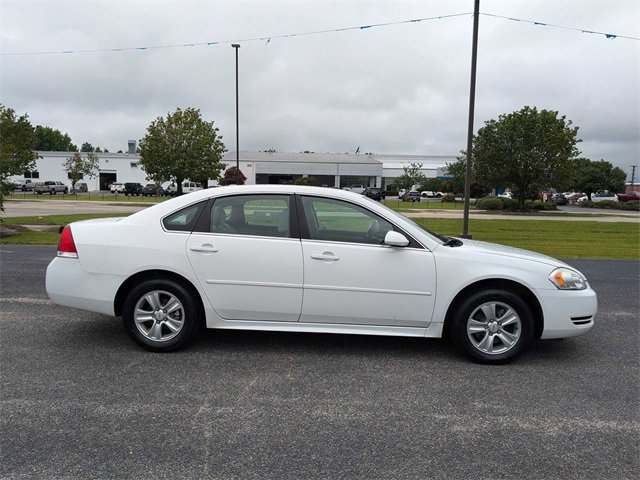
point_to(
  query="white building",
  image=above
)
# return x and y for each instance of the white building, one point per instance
(328, 169)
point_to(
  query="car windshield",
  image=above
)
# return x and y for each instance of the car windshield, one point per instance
(396, 215)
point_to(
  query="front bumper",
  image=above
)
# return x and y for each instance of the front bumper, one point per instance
(567, 313)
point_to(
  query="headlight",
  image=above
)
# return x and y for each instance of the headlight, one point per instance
(566, 279)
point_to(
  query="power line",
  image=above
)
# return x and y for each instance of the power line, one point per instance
(609, 36)
(240, 40)
(267, 39)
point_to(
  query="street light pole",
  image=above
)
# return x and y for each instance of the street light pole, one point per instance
(472, 102)
(236, 46)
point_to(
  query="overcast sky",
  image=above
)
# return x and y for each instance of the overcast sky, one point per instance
(395, 89)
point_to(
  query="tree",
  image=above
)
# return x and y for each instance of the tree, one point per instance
(53, 140)
(308, 180)
(527, 151)
(77, 167)
(411, 177)
(181, 146)
(457, 171)
(592, 176)
(233, 176)
(87, 147)
(17, 147)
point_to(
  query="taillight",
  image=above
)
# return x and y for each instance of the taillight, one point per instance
(66, 245)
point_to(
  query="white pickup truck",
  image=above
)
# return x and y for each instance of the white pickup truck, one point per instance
(51, 188)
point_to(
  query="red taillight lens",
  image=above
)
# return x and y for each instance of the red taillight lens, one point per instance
(66, 245)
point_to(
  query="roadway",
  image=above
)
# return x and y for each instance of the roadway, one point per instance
(80, 400)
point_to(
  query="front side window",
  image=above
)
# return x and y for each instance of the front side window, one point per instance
(259, 215)
(338, 221)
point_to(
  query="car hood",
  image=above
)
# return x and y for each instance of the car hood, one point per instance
(486, 248)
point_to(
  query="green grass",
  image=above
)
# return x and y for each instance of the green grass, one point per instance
(612, 240)
(85, 197)
(58, 219)
(399, 205)
(563, 239)
(30, 237)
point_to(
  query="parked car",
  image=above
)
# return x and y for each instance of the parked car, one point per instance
(506, 195)
(51, 187)
(225, 258)
(188, 187)
(23, 185)
(170, 190)
(116, 187)
(411, 197)
(151, 189)
(355, 188)
(374, 193)
(81, 187)
(133, 188)
(628, 197)
(602, 196)
(558, 199)
(431, 194)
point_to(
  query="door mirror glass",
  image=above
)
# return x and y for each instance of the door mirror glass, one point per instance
(395, 239)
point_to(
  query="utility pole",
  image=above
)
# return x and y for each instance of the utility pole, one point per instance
(236, 46)
(472, 101)
(633, 175)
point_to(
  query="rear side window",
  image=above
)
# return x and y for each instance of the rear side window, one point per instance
(256, 215)
(184, 220)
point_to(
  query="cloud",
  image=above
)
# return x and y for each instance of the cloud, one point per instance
(397, 89)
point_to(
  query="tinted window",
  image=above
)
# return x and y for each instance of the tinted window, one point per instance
(334, 220)
(260, 215)
(183, 220)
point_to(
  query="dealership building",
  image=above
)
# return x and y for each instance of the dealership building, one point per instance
(326, 169)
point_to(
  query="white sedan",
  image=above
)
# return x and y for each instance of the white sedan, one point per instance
(308, 259)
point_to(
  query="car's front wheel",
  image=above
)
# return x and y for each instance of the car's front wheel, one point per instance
(493, 326)
(161, 315)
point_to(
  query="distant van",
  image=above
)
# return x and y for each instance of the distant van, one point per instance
(188, 187)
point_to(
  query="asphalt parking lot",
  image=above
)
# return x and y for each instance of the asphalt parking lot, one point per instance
(80, 400)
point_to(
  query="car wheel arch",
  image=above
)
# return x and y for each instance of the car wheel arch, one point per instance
(156, 274)
(509, 285)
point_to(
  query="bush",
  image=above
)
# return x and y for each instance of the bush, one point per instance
(510, 204)
(490, 203)
(632, 205)
(539, 205)
(609, 204)
(449, 198)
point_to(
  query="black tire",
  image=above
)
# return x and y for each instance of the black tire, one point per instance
(469, 315)
(66, 190)
(189, 315)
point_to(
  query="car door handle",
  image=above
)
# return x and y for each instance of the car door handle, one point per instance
(325, 256)
(206, 248)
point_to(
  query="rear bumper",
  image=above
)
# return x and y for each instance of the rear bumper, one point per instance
(69, 285)
(567, 313)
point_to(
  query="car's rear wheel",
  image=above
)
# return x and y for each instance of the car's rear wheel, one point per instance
(161, 315)
(493, 326)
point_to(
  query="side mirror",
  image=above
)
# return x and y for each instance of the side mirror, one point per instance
(395, 239)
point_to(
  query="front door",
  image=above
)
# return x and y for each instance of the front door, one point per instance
(350, 277)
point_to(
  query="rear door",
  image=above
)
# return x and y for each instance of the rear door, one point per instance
(249, 259)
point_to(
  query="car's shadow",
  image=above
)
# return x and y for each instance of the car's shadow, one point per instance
(99, 331)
